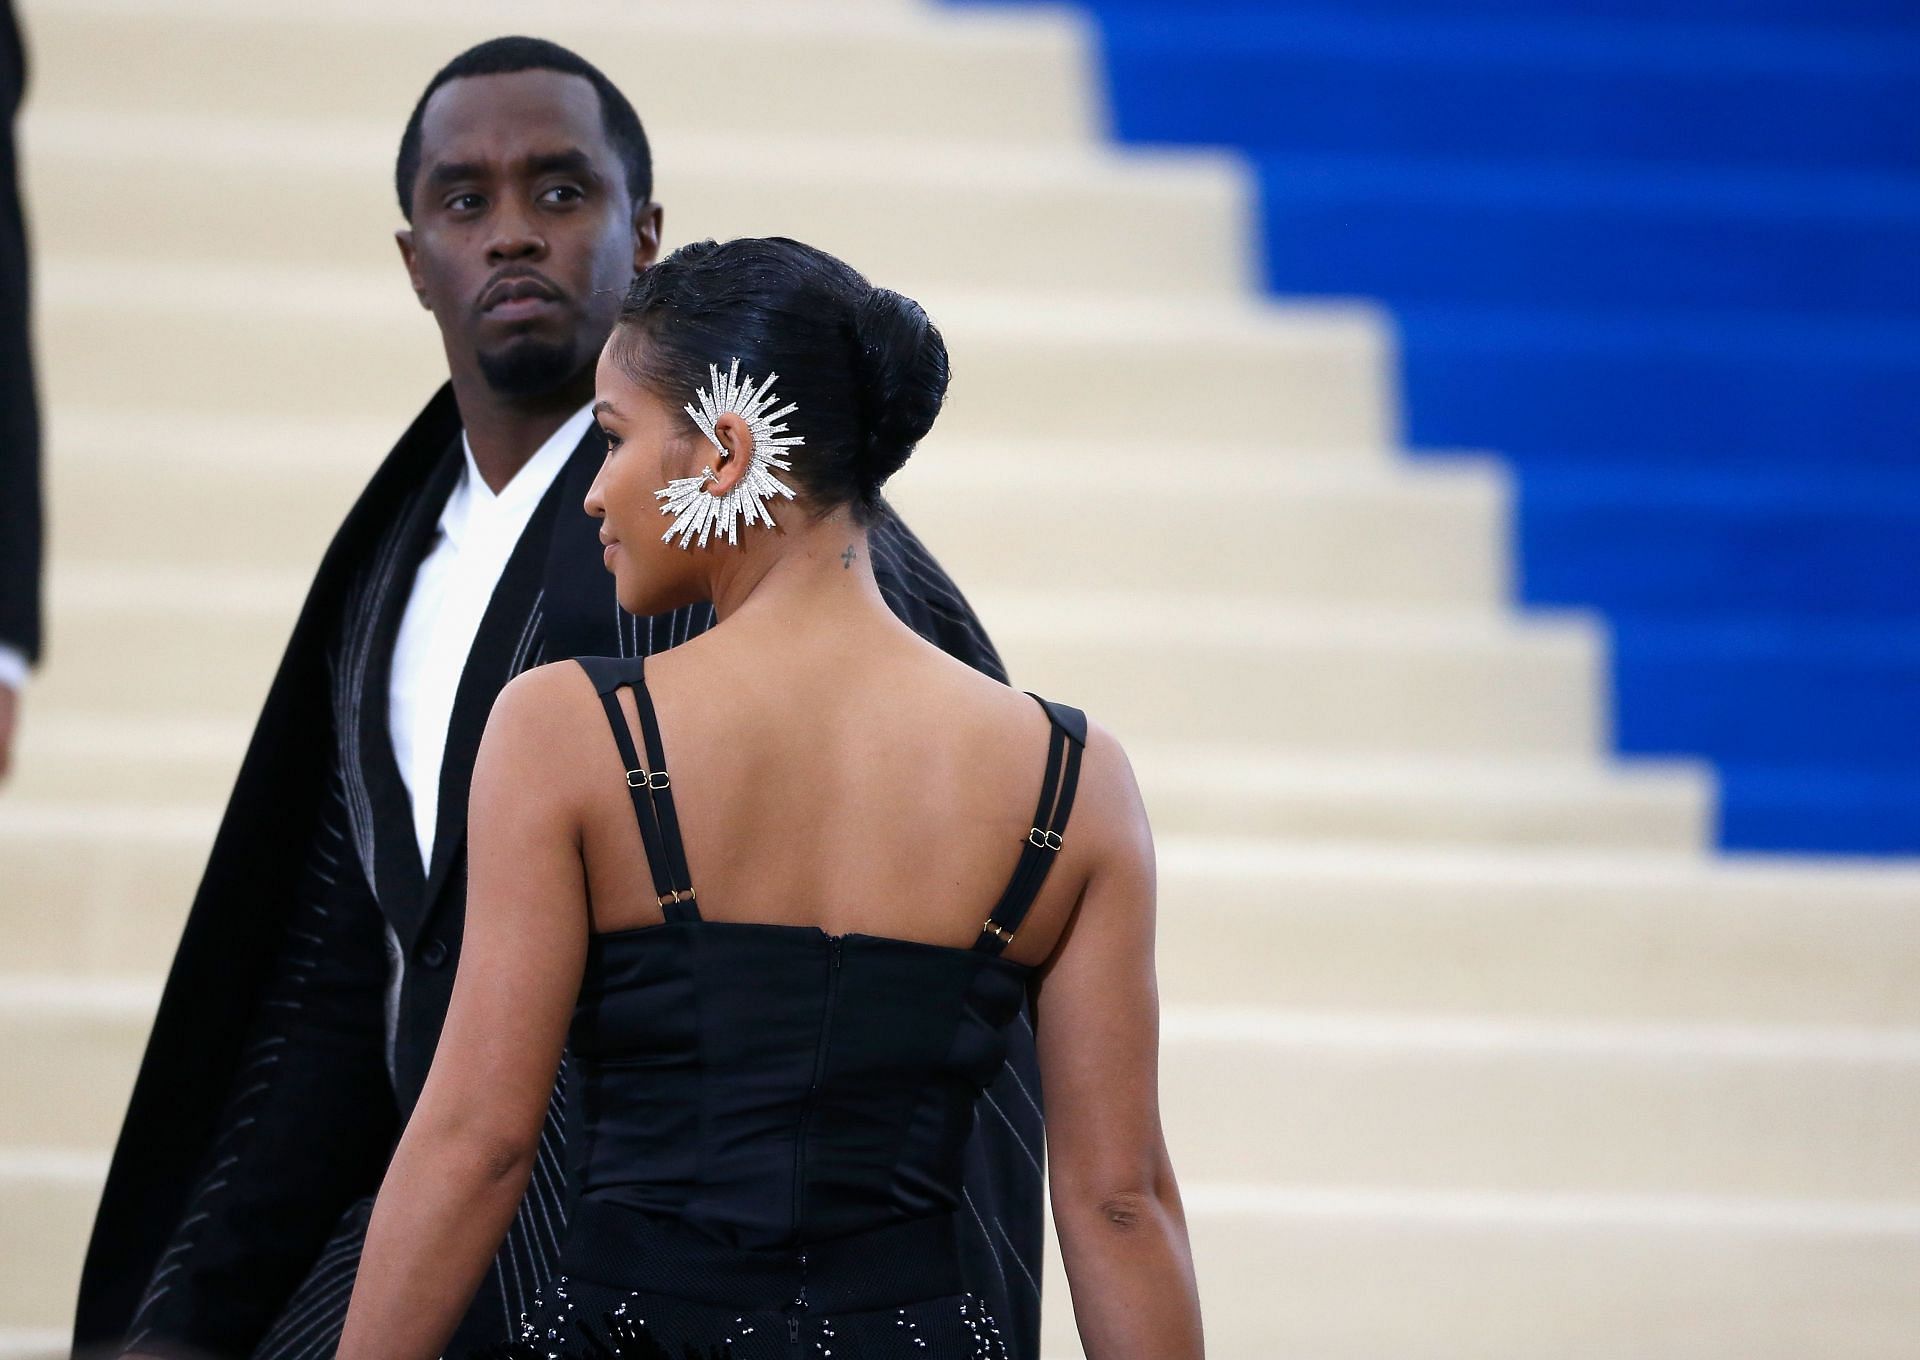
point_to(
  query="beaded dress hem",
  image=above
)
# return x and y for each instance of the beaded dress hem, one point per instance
(582, 1320)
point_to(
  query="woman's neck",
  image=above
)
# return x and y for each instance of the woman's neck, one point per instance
(817, 577)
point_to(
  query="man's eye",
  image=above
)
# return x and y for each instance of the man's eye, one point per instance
(463, 202)
(568, 194)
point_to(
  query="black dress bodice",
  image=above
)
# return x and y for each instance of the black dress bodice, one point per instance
(771, 1086)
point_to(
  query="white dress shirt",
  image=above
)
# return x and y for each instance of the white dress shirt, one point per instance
(477, 533)
(13, 667)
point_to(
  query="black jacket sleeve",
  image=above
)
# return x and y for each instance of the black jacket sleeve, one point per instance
(19, 410)
(306, 1129)
(920, 592)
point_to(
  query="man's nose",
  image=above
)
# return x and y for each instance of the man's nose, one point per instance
(515, 237)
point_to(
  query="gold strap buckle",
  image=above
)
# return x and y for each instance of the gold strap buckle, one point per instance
(675, 897)
(1045, 840)
(998, 931)
(655, 780)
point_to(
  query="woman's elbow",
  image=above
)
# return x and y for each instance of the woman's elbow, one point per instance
(502, 1157)
(1121, 1209)
(482, 1152)
(1125, 1211)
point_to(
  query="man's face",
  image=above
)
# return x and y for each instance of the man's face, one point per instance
(524, 239)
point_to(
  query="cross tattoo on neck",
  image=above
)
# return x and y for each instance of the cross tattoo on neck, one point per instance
(846, 558)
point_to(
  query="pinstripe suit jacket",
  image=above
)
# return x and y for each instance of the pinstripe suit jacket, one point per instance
(301, 1014)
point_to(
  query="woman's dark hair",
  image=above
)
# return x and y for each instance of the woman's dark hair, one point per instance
(864, 367)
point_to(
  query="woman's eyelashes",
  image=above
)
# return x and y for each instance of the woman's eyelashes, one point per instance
(613, 440)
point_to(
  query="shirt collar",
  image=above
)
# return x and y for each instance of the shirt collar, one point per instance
(473, 497)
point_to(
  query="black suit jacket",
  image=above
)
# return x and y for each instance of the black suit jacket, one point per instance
(19, 412)
(302, 1011)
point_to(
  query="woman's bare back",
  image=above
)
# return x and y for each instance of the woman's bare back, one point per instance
(891, 797)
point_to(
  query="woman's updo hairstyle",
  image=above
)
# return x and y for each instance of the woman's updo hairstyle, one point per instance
(864, 366)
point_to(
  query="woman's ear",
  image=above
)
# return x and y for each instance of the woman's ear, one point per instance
(736, 456)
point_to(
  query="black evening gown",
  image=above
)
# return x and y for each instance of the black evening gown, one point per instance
(772, 1118)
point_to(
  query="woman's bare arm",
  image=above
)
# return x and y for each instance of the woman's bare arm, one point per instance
(1116, 1209)
(462, 1165)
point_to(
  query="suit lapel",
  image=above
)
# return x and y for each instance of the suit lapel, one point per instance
(398, 876)
(512, 638)
(583, 616)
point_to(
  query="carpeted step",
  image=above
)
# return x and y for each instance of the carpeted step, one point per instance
(1814, 544)
(1883, 16)
(1372, 679)
(1522, 233)
(1667, 390)
(842, 69)
(1551, 935)
(292, 346)
(319, 194)
(1531, 86)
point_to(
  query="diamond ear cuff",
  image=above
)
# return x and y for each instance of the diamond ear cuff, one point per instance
(695, 512)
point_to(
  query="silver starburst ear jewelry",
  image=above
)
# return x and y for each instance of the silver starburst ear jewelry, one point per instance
(696, 512)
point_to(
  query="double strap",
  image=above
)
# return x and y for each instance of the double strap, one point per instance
(648, 783)
(1066, 743)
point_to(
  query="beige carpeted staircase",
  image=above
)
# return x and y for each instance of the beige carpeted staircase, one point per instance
(1472, 1051)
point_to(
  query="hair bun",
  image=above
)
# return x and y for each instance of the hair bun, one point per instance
(900, 363)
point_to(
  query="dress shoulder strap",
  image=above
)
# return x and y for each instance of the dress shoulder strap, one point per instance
(608, 673)
(1066, 743)
(648, 783)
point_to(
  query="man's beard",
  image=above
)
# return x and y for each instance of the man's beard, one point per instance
(529, 368)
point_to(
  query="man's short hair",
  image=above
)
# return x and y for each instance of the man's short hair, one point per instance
(503, 56)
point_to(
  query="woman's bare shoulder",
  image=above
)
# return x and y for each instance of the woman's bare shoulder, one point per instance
(544, 713)
(1111, 794)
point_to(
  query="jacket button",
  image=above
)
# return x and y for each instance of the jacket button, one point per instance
(433, 954)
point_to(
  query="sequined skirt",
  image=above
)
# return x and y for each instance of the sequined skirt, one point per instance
(632, 1287)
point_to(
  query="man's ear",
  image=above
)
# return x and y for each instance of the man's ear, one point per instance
(646, 234)
(404, 239)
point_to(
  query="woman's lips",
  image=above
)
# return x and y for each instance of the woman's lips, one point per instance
(606, 553)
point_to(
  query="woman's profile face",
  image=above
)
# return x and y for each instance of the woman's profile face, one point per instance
(649, 443)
